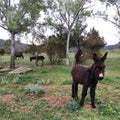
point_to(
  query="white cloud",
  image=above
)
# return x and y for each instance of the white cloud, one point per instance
(105, 29)
(3, 34)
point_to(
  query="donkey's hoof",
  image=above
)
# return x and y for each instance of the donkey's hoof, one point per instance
(75, 98)
(93, 106)
(81, 104)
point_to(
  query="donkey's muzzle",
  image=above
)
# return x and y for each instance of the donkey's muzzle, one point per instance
(101, 76)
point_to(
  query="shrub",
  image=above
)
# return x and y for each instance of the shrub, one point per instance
(57, 117)
(55, 50)
(4, 82)
(34, 89)
(72, 105)
(17, 79)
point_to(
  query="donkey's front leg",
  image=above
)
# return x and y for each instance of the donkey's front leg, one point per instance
(92, 95)
(75, 90)
(84, 93)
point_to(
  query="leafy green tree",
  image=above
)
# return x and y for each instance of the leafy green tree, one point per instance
(93, 42)
(18, 17)
(66, 12)
(7, 43)
(78, 33)
(32, 48)
(7, 46)
(55, 49)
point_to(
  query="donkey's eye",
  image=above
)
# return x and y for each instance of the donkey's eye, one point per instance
(98, 69)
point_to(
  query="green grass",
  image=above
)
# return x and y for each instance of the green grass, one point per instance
(56, 103)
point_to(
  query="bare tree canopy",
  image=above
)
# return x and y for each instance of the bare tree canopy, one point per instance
(115, 17)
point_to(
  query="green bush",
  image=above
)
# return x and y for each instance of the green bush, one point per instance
(17, 79)
(57, 117)
(55, 50)
(72, 105)
(34, 89)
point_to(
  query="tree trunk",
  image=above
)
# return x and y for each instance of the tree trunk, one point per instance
(67, 48)
(12, 60)
(0, 61)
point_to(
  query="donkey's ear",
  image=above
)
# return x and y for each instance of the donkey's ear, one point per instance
(95, 58)
(104, 57)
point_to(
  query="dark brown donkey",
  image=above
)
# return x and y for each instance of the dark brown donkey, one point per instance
(19, 55)
(78, 57)
(37, 58)
(88, 77)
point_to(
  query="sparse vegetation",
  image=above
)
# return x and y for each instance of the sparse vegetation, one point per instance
(33, 89)
(21, 99)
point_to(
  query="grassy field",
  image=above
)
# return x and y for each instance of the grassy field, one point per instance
(45, 92)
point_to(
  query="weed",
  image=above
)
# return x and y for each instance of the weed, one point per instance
(17, 79)
(34, 89)
(108, 109)
(3, 92)
(39, 106)
(57, 117)
(45, 82)
(72, 105)
(67, 82)
(4, 82)
(4, 112)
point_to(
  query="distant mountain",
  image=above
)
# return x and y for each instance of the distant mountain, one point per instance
(2, 42)
(111, 47)
(22, 45)
(19, 44)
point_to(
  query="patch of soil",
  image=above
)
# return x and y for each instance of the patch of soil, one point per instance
(26, 108)
(100, 86)
(59, 102)
(48, 88)
(88, 106)
(7, 97)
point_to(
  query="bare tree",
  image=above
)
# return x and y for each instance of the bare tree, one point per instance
(106, 15)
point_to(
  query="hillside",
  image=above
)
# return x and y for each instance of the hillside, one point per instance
(22, 45)
(111, 47)
(19, 44)
(2, 42)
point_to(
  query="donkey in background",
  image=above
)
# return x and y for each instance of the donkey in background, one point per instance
(78, 57)
(88, 77)
(19, 55)
(37, 58)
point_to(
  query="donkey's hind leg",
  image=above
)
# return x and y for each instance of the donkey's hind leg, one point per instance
(75, 90)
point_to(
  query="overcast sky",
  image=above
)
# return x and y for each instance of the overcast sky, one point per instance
(105, 29)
